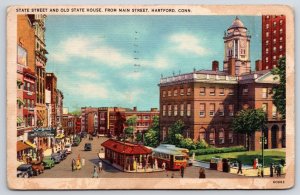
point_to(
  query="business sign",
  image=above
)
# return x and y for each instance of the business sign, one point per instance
(22, 56)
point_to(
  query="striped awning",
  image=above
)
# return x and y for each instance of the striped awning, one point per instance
(30, 144)
(59, 136)
(20, 101)
(20, 120)
(21, 146)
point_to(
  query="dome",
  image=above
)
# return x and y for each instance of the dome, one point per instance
(237, 23)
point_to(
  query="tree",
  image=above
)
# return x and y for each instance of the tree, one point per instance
(151, 137)
(248, 121)
(279, 91)
(131, 123)
(176, 128)
(76, 112)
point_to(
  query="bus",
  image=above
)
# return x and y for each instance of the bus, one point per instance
(173, 157)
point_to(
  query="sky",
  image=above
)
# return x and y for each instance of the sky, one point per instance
(118, 60)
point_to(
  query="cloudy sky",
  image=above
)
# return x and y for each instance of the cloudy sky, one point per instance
(118, 60)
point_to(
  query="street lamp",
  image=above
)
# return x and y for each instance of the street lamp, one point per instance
(263, 141)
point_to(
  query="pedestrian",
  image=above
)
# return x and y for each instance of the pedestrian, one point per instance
(271, 169)
(73, 164)
(202, 173)
(95, 173)
(278, 171)
(182, 171)
(100, 165)
(240, 167)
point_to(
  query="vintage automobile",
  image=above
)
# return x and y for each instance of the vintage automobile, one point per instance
(76, 141)
(88, 147)
(48, 162)
(56, 157)
(37, 168)
(68, 148)
(25, 171)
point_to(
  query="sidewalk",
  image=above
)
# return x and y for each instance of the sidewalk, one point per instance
(247, 170)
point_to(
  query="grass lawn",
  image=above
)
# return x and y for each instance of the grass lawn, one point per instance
(271, 156)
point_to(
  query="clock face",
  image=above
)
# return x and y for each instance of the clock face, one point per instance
(230, 44)
(243, 43)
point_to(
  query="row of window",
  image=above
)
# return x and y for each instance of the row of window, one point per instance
(203, 90)
(210, 136)
(274, 58)
(274, 41)
(174, 110)
(274, 110)
(274, 24)
(275, 32)
(274, 49)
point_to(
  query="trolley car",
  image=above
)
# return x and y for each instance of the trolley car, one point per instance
(173, 157)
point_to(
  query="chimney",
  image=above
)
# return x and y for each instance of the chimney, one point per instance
(231, 66)
(258, 65)
(215, 65)
(134, 109)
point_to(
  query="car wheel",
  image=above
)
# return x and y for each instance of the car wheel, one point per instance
(25, 175)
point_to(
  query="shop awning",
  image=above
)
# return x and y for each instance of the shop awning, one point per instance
(30, 144)
(20, 120)
(60, 136)
(21, 146)
(20, 101)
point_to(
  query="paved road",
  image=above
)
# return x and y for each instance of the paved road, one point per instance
(64, 169)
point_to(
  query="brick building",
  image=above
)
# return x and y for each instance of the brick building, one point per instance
(25, 75)
(273, 40)
(38, 21)
(207, 100)
(59, 106)
(143, 118)
(85, 113)
(110, 119)
(51, 82)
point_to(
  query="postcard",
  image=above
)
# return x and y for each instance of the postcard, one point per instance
(150, 97)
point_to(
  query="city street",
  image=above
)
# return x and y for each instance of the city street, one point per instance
(64, 170)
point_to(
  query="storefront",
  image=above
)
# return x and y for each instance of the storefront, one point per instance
(127, 156)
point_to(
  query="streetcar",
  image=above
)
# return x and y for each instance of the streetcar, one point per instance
(173, 157)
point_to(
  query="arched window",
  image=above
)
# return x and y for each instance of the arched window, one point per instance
(221, 136)
(212, 136)
(202, 134)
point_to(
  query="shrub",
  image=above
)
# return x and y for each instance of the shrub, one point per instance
(218, 150)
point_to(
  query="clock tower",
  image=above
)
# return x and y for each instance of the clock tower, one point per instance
(237, 49)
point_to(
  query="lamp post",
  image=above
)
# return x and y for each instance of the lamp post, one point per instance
(263, 141)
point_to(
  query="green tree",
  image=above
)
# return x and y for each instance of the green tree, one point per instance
(139, 137)
(176, 128)
(248, 121)
(279, 91)
(151, 137)
(131, 124)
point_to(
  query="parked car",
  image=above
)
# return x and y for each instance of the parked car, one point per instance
(88, 147)
(68, 148)
(76, 141)
(83, 134)
(25, 170)
(63, 154)
(56, 157)
(38, 168)
(48, 162)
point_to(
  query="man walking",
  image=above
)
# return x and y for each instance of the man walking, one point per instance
(240, 167)
(182, 171)
(95, 173)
